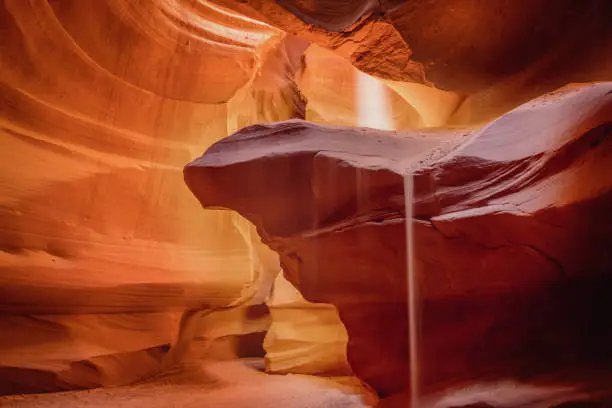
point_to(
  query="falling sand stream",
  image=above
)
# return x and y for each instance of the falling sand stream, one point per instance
(373, 110)
(372, 103)
(412, 292)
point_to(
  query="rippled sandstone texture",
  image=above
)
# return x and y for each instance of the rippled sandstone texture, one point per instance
(102, 102)
(512, 231)
(102, 245)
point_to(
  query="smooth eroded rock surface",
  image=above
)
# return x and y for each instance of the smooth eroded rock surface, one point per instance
(511, 224)
(496, 57)
(102, 246)
(107, 262)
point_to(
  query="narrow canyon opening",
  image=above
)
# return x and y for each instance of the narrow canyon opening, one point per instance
(266, 203)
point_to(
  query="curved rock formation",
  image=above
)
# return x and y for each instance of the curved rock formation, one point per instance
(300, 337)
(511, 234)
(304, 337)
(104, 251)
(102, 245)
(497, 56)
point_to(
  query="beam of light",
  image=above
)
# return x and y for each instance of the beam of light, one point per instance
(374, 111)
(372, 103)
(412, 291)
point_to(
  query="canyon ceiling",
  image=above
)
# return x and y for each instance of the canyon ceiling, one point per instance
(501, 109)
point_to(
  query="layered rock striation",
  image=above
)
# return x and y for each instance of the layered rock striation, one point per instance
(102, 247)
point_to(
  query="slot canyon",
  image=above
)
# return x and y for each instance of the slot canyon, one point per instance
(305, 203)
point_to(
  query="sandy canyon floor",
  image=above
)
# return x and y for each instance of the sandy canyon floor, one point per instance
(232, 385)
(236, 384)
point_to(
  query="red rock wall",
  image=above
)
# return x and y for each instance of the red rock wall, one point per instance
(511, 231)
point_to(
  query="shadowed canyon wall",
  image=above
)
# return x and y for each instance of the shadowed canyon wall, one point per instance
(511, 235)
